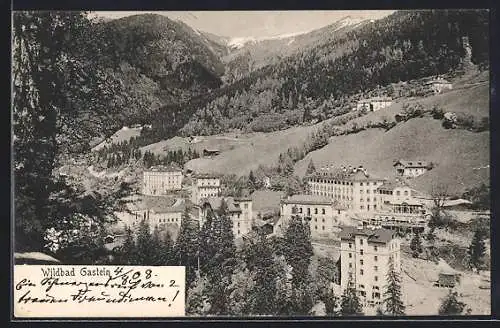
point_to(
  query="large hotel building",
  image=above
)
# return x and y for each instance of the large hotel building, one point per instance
(352, 188)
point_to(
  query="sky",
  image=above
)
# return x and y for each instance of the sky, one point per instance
(255, 23)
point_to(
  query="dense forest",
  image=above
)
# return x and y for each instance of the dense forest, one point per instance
(318, 83)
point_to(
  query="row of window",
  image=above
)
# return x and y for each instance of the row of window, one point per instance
(362, 207)
(342, 183)
(331, 188)
(368, 199)
(323, 211)
(168, 220)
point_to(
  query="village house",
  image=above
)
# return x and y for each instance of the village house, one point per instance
(210, 152)
(352, 188)
(410, 169)
(155, 210)
(364, 261)
(439, 85)
(373, 104)
(398, 208)
(239, 210)
(320, 212)
(160, 180)
(205, 186)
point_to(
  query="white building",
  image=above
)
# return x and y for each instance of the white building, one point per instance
(373, 104)
(399, 208)
(320, 212)
(439, 85)
(411, 169)
(156, 210)
(364, 261)
(352, 188)
(239, 210)
(205, 186)
(160, 180)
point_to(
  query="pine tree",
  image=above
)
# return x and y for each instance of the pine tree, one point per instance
(416, 245)
(186, 248)
(252, 181)
(258, 256)
(451, 305)
(146, 253)
(218, 257)
(350, 302)
(392, 296)
(477, 249)
(310, 168)
(299, 250)
(127, 254)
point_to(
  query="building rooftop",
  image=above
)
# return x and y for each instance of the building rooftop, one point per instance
(375, 99)
(377, 235)
(345, 174)
(233, 205)
(157, 204)
(411, 164)
(390, 185)
(164, 168)
(308, 199)
(207, 176)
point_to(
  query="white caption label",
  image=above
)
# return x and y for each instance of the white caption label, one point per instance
(98, 291)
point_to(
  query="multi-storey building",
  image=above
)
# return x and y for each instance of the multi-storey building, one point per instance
(320, 212)
(352, 188)
(156, 211)
(239, 210)
(205, 186)
(159, 180)
(398, 208)
(364, 261)
(410, 169)
(373, 104)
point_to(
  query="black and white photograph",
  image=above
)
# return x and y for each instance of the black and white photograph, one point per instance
(308, 163)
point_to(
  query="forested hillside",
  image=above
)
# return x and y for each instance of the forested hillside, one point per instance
(317, 83)
(257, 54)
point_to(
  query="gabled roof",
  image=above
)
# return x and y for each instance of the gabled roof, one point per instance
(157, 204)
(215, 202)
(308, 199)
(391, 185)
(378, 235)
(206, 176)
(355, 174)
(375, 99)
(412, 164)
(164, 168)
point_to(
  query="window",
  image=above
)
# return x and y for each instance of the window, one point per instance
(238, 232)
(361, 199)
(315, 219)
(300, 210)
(367, 191)
(323, 227)
(375, 278)
(374, 206)
(350, 255)
(361, 262)
(361, 191)
(350, 264)
(375, 268)
(315, 211)
(308, 211)
(315, 227)
(361, 184)
(406, 192)
(361, 286)
(323, 220)
(238, 224)
(375, 248)
(361, 207)
(398, 193)
(360, 252)
(361, 271)
(323, 211)
(361, 241)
